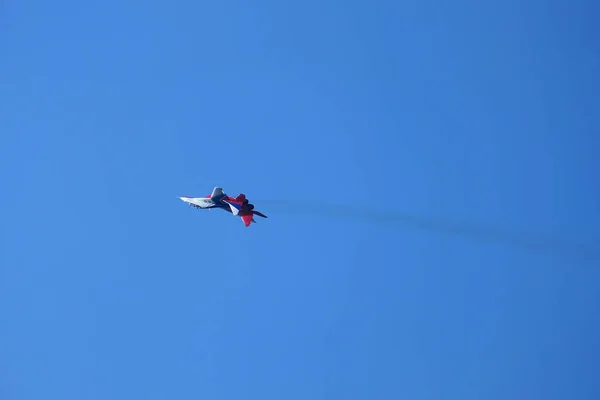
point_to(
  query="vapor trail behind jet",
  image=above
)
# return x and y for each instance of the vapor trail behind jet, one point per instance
(527, 241)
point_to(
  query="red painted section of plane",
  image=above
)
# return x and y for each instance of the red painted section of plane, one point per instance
(235, 200)
(247, 219)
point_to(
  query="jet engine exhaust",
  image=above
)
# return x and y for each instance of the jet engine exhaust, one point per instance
(527, 241)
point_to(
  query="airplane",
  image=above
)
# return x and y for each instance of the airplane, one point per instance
(239, 205)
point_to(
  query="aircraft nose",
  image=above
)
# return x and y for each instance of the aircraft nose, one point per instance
(184, 198)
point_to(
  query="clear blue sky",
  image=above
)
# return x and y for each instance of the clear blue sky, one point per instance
(112, 288)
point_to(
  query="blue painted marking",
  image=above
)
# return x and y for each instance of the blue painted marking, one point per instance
(237, 206)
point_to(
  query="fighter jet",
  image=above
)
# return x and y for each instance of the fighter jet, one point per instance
(239, 205)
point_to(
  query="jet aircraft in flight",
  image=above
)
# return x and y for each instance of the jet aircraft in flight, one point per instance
(239, 205)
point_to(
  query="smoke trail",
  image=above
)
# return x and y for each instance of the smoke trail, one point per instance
(527, 241)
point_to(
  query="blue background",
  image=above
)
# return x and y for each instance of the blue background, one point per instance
(326, 114)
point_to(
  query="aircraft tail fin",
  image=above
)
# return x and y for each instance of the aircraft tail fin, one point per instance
(247, 219)
(217, 192)
(234, 207)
